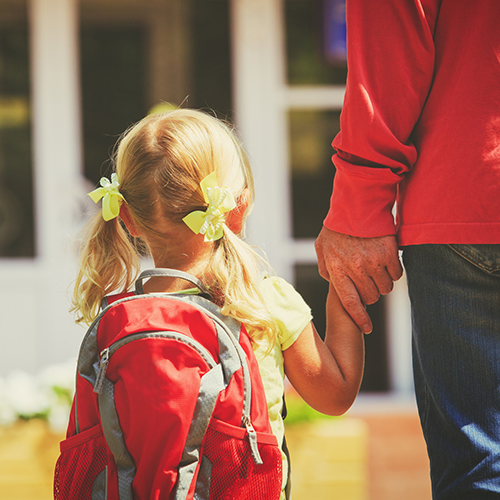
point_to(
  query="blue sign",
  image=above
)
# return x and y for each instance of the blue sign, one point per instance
(335, 43)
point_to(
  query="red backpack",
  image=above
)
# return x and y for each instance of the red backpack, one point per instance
(169, 404)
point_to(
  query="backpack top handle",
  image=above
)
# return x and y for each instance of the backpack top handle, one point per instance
(169, 273)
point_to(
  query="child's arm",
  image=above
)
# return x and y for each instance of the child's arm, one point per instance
(327, 375)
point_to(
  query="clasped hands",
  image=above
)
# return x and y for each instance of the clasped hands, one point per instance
(361, 269)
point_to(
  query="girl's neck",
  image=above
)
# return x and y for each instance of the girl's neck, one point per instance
(195, 263)
(163, 284)
(177, 248)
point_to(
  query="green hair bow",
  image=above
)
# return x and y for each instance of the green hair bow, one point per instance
(220, 201)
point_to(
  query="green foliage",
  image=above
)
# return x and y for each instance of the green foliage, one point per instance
(299, 411)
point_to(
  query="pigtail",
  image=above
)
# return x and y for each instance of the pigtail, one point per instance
(237, 270)
(109, 262)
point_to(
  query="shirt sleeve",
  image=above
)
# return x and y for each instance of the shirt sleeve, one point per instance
(288, 307)
(391, 58)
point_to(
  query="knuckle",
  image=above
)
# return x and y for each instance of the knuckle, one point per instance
(351, 301)
(324, 273)
(371, 297)
(338, 272)
(386, 288)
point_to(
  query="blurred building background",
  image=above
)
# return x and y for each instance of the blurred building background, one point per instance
(75, 74)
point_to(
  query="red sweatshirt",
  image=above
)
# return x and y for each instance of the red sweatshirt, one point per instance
(420, 122)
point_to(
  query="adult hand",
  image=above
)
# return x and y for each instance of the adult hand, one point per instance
(361, 269)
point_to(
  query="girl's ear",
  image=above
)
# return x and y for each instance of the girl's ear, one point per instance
(234, 219)
(125, 216)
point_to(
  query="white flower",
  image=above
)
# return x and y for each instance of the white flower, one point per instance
(61, 376)
(25, 395)
(47, 395)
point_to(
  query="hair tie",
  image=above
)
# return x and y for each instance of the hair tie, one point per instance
(220, 200)
(112, 198)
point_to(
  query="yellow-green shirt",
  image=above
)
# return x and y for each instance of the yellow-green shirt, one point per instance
(292, 315)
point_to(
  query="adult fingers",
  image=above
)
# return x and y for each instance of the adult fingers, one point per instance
(360, 270)
(319, 245)
(382, 281)
(352, 302)
(394, 268)
(380, 261)
(390, 257)
(322, 267)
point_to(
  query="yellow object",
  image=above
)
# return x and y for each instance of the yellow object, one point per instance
(14, 112)
(28, 453)
(220, 200)
(162, 107)
(111, 197)
(329, 459)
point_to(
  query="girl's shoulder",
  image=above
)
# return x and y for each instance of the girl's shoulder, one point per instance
(287, 307)
(276, 288)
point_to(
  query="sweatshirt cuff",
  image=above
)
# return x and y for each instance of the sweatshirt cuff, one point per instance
(362, 201)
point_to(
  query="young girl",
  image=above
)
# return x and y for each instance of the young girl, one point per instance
(184, 188)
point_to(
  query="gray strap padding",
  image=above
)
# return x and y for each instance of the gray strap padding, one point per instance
(202, 490)
(232, 324)
(231, 353)
(212, 383)
(100, 486)
(114, 437)
(230, 358)
(89, 355)
(168, 273)
(75, 409)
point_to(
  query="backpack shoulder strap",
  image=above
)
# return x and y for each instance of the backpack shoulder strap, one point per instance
(109, 299)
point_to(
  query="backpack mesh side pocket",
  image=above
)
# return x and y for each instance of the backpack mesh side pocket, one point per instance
(234, 473)
(83, 457)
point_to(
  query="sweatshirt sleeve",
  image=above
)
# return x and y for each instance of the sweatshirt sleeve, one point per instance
(391, 57)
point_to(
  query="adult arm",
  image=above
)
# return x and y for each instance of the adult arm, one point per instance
(391, 62)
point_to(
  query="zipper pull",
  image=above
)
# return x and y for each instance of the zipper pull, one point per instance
(252, 439)
(103, 364)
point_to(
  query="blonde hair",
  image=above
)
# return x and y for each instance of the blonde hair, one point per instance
(160, 163)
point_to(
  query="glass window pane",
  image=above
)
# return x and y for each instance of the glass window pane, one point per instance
(135, 56)
(314, 289)
(312, 171)
(211, 57)
(113, 88)
(17, 237)
(310, 32)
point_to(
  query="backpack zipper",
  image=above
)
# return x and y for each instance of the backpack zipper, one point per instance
(103, 365)
(252, 439)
